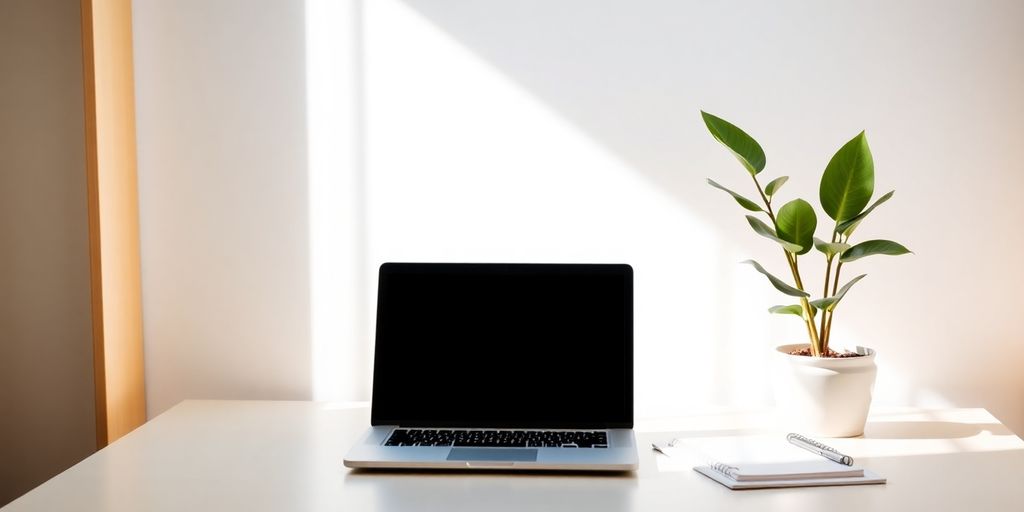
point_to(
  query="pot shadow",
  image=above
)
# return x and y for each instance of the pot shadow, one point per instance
(873, 430)
(931, 430)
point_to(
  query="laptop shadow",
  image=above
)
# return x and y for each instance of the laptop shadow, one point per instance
(494, 490)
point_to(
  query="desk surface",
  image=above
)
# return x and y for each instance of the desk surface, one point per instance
(255, 456)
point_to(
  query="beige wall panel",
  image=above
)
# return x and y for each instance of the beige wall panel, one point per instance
(113, 217)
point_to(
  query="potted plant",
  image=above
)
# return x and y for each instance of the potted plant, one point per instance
(820, 390)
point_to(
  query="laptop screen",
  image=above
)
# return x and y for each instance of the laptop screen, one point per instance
(504, 345)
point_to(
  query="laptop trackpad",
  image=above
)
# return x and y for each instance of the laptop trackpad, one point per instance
(513, 454)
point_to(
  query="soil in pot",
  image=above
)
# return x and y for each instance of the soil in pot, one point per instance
(806, 351)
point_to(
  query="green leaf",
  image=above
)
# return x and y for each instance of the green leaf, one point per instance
(796, 222)
(830, 303)
(848, 181)
(830, 249)
(846, 227)
(773, 185)
(742, 146)
(766, 231)
(744, 202)
(872, 247)
(779, 284)
(793, 309)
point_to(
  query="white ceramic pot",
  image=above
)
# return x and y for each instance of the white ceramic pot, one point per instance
(822, 396)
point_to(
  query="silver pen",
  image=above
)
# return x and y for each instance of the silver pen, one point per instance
(820, 449)
(670, 444)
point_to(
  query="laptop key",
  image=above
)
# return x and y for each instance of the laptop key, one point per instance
(498, 438)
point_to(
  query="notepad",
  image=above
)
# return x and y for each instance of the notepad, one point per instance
(755, 462)
(866, 477)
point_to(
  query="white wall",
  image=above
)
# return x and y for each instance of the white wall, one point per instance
(220, 92)
(47, 408)
(569, 131)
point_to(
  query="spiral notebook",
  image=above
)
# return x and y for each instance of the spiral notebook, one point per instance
(759, 462)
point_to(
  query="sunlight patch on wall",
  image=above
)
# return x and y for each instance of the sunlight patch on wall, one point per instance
(464, 165)
(339, 369)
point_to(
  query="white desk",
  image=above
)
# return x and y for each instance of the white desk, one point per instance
(255, 456)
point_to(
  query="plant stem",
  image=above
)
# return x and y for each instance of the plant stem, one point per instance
(767, 202)
(812, 333)
(828, 326)
(835, 285)
(824, 294)
(816, 345)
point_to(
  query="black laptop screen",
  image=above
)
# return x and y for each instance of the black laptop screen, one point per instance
(502, 345)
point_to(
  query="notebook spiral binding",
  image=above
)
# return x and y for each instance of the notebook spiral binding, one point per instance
(725, 469)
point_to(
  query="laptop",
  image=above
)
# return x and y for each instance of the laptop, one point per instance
(502, 366)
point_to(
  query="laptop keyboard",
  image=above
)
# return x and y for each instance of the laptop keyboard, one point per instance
(498, 438)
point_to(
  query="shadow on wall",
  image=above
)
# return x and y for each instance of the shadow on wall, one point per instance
(803, 77)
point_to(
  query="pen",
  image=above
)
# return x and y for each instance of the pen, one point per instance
(661, 449)
(820, 449)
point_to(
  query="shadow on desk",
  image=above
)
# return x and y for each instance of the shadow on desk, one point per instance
(495, 490)
(988, 480)
(502, 472)
(931, 430)
(873, 430)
